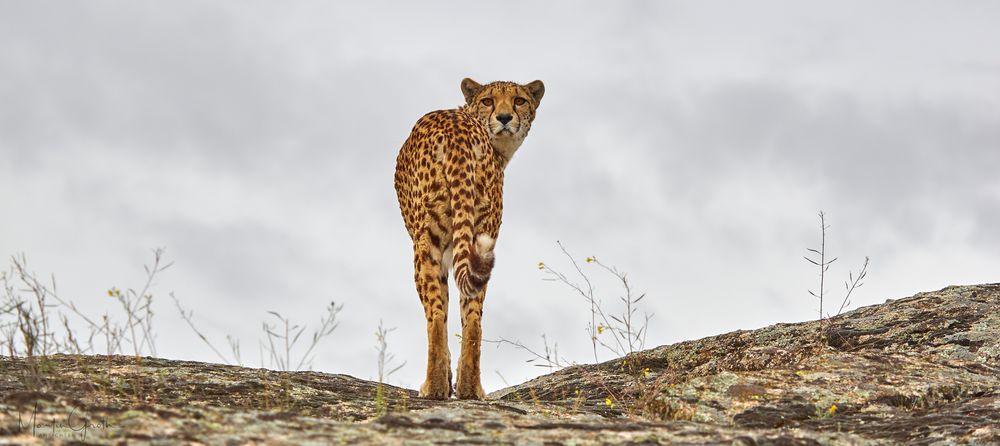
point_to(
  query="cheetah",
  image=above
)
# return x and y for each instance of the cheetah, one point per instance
(449, 181)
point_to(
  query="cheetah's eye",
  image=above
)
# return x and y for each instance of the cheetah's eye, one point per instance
(519, 101)
(487, 102)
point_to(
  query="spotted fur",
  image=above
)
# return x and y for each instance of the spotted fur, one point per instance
(449, 181)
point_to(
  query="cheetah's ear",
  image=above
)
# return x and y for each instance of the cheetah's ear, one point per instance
(470, 89)
(537, 90)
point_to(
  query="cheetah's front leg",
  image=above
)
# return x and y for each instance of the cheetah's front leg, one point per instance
(434, 297)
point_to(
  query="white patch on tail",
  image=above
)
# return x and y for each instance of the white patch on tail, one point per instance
(484, 246)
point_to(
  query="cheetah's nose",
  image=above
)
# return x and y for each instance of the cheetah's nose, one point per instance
(504, 119)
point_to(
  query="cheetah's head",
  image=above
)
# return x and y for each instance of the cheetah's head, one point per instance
(506, 109)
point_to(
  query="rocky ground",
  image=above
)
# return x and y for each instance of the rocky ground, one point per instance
(921, 370)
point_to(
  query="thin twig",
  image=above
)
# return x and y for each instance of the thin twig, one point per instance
(550, 359)
(853, 283)
(187, 315)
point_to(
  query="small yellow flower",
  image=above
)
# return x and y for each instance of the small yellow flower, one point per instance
(541, 265)
(590, 259)
(600, 328)
(645, 372)
(608, 402)
(832, 410)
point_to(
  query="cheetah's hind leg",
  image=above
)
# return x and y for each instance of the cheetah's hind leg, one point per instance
(468, 384)
(434, 297)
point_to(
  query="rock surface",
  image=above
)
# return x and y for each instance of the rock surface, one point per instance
(919, 370)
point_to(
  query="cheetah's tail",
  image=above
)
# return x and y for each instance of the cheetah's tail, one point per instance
(473, 275)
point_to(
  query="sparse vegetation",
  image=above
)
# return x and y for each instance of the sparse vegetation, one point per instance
(628, 332)
(282, 337)
(547, 357)
(623, 333)
(385, 367)
(854, 281)
(31, 334)
(38, 336)
(27, 328)
(36, 322)
(620, 334)
(289, 336)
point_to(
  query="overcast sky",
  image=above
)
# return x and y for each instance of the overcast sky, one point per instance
(689, 144)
